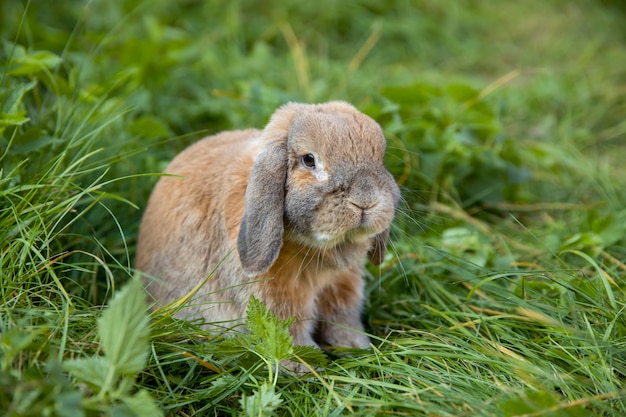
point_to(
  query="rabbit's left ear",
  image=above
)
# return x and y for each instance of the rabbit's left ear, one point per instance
(261, 230)
(378, 250)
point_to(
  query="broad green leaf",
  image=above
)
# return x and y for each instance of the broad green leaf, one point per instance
(26, 146)
(262, 402)
(311, 354)
(32, 63)
(12, 96)
(610, 228)
(13, 119)
(461, 92)
(92, 371)
(13, 342)
(467, 244)
(150, 127)
(274, 341)
(124, 328)
(543, 403)
(238, 344)
(142, 405)
(68, 404)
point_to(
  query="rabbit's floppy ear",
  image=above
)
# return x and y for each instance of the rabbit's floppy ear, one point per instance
(377, 252)
(261, 229)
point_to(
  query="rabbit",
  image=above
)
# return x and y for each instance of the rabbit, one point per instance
(287, 214)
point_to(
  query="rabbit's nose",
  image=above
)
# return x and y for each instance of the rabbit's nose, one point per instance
(363, 211)
(363, 192)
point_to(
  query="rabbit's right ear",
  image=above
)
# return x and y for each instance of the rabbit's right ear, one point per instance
(261, 229)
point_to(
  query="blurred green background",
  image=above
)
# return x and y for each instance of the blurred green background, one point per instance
(485, 103)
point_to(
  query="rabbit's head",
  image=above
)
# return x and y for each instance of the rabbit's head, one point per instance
(319, 181)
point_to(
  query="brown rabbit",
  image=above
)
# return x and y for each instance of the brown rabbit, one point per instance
(303, 202)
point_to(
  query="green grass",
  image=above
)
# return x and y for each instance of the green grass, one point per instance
(504, 292)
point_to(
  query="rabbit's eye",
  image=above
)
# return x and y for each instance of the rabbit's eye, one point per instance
(308, 160)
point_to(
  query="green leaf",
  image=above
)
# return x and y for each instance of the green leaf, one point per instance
(611, 227)
(142, 405)
(11, 103)
(16, 119)
(26, 146)
(274, 341)
(150, 127)
(124, 328)
(237, 345)
(268, 338)
(13, 342)
(68, 404)
(542, 403)
(311, 355)
(92, 371)
(25, 63)
(262, 402)
(461, 92)
(467, 244)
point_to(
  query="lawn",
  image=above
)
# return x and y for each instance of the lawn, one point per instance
(504, 289)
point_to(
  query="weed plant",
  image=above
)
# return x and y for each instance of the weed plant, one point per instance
(503, 293)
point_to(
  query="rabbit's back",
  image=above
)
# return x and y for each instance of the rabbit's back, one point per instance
(185, 228)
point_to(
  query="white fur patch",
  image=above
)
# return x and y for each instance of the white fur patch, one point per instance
(320, 174)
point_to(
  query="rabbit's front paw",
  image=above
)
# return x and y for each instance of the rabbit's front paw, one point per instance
(344, 337)
(357, 340)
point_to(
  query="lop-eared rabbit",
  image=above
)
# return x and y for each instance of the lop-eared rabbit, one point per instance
(287, 214)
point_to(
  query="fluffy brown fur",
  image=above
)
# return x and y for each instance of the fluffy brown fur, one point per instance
(291, 232)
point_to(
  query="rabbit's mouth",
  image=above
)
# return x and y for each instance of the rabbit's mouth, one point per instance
(324, 240)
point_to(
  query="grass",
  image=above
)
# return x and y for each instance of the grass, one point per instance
(504, 292)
